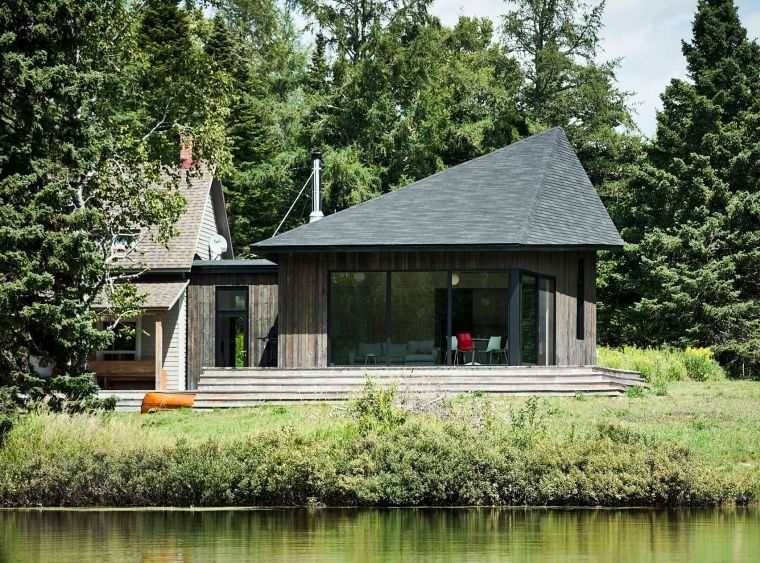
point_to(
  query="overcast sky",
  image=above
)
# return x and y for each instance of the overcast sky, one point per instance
(646, 34)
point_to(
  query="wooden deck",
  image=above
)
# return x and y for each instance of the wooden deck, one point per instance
(231, 387)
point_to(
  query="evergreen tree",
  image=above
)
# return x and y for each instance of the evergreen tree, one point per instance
(557, 42)
(76, 172)
(690, 275)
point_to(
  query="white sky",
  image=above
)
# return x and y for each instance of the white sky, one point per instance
(646, 34)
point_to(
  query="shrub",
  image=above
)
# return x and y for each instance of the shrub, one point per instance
(465, 458)
(701, 365)
(662, 365)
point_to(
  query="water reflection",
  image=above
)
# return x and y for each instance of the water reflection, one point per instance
(731, 534)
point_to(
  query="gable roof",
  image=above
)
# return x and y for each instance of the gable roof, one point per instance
(533, 193)
(179, 252)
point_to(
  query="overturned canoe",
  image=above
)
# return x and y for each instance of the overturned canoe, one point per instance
(163, 401)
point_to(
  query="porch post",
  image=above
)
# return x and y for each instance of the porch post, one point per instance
(514, 317)
(158, 337)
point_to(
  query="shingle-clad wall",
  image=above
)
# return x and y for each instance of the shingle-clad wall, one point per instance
(207, 231)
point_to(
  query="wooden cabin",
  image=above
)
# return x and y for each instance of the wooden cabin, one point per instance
(487, 264)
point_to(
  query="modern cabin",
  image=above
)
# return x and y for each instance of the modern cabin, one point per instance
(492, 261)
(480, 273)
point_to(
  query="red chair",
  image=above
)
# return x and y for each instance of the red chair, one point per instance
(465, 344)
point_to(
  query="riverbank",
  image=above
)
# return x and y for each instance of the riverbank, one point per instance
(699, 444)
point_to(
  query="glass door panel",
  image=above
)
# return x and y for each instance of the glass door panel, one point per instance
(529, 319)
(479, 313)
(537, 312)
(357, 318)
(546, 321)
(231, 327)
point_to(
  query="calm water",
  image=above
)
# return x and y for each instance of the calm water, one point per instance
(381, 535)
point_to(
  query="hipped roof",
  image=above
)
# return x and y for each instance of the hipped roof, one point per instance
(531, 194)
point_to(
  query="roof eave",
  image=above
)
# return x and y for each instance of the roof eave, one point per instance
(307, 249)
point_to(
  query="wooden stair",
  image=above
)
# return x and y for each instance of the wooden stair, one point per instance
(230, 387)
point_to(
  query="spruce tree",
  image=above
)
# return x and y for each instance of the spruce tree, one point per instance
(692, 213)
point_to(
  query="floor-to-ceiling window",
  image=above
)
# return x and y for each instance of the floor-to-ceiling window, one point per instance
(357, 318)
(232, 327)
(479, 309)
(537, 319)
(439, 317)
(418, 326)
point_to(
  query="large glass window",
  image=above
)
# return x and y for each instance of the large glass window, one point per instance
(357, 318)
(124, 344)
(428, 318)
(419, 301)
(546, 321)
(232, 327)
(529, 319)
(537, 320)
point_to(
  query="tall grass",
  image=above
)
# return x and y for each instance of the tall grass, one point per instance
(663, 365)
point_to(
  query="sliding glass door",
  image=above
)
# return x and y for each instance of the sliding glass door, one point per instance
(357, 318)
(418, 325)
(440, 317)
(479, 310)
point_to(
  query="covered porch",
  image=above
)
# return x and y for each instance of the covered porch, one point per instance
(148, 352)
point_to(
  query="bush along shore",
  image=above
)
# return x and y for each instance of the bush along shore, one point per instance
(385, 454)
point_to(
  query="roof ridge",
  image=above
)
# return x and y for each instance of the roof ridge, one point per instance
(426, 178)
(540, 189)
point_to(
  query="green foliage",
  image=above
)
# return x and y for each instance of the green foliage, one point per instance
(95, 96)
(662, 365)
(376, 408)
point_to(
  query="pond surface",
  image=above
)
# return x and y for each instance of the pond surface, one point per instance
(731, 534)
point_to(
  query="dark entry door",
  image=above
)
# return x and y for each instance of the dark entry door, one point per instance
(232, 327)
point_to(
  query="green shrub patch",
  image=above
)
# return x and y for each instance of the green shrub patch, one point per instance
(385, 455)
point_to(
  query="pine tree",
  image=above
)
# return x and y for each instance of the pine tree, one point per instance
(318, 69)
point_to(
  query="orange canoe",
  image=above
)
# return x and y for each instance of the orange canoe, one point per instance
(163, 401)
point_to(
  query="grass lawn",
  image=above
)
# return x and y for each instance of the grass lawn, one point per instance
(720, 420)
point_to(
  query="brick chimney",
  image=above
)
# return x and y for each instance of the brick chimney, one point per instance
(185, 150)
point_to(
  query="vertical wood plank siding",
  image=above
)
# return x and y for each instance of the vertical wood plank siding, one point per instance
(201, 317)
(303, 301)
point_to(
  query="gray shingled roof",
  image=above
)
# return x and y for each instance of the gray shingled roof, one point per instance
(533, 193)
(159, 296)
(179, 252)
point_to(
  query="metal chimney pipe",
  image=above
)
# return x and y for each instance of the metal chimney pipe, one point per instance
(316, 197)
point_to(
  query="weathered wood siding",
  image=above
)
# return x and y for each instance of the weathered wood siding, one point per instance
(201, 318)
(304, 286)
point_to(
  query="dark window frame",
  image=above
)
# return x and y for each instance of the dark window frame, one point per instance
(247, 310)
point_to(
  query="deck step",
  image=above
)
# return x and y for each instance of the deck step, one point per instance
(232, 388)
